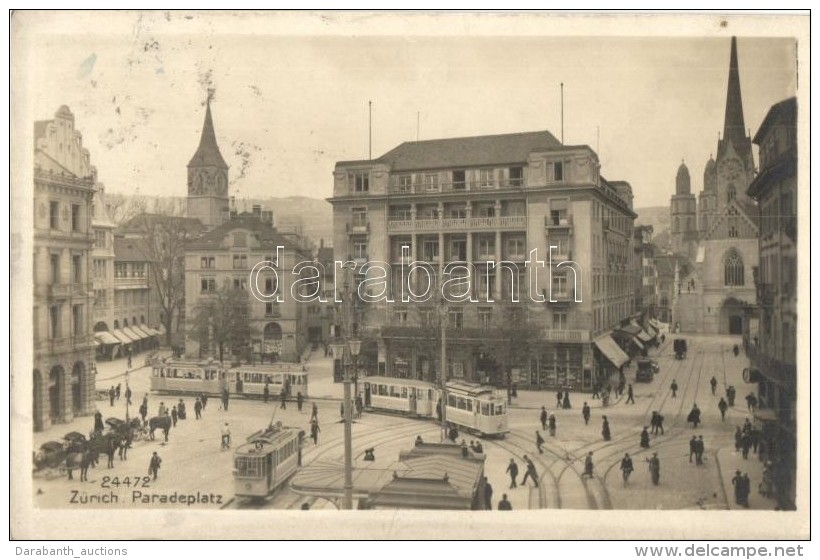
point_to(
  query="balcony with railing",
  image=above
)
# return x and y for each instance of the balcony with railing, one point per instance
(457, 224)
(358, 227)
(456, 186)
(558, 222)
(130, 283)
(567, 335)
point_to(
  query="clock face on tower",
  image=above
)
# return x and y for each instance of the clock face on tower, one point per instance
(731, 168)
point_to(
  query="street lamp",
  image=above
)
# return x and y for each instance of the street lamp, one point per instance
(353, 346)
(443, 317)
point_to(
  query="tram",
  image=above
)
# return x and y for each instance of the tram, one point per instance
(475, 408)
(250, 381)
(266, 461)
(212, 378)
(179, 376)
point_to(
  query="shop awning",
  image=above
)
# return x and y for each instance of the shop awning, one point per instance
(122, 337)
(611, 350)
(140, 331)
(637, 343)
(650, 330)
(130, 332)
(105, 337)
(644, 336)
(149, 330)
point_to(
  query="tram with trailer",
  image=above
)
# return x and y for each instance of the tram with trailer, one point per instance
(473, 407)
(266, 461)
(212, 378)
(188, 377)
(290, 379)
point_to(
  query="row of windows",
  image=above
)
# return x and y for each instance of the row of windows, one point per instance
(55, 272)
(133, 321)
(54, 216)
(55, 321)
(130, 270)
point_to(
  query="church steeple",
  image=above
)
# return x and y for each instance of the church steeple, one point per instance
(734, 129)
(208, 152)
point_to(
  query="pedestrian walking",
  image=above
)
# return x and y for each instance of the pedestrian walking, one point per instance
(730, 395)
(198, 408)
(162, 410)
(566, 404)
(99, 427)
(539, 442)
(645, 438)
(283, 400)
(694, 416)
(596, 388)
(559, 396)
(129, 358)
(514, 391)
(754, 437)
(299, 400)
(626, 467)
(181, 410)
(531, 472)
(488, 494)
(552, 425)
(630, 395)
(723, 407)
(128, 395)
(543, 418)
(699, 449)
(504, 504)
(226, 397)
(266, 392)
(693, 447)
(588, 466)
(674, 388)
(117, 390)
(153, 466)
(737, 482)
(111, 395)
(144, 411)
(174, 415)
(605, 430)
(751, 402)
(512, 468)
(314, 432)
(745, 444)
(735, 350)
(314, 413)
(738, 438)
(745, 490)
(585, 412)
(655, 468)
(713, 383)
(204, 398)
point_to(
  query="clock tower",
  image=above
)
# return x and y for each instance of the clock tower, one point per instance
(208, 179)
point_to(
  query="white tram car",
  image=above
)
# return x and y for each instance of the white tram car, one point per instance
(476, 408)
(266, 461)
(288, 378)
(190, 377)
(179, 376)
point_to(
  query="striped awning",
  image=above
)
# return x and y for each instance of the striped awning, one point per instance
(130, 332)
(644, 336)
(609, 348)
(105, 337)
(122, 337)
(140, 331)
(149, 330)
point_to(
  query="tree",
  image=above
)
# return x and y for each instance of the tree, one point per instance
(123, 208)
(161, 241)
(223, 319)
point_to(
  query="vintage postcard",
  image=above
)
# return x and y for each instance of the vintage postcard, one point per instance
(538, 273)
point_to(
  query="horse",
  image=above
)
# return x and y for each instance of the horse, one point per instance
(82, 460)
(162, 422)
(106, 444)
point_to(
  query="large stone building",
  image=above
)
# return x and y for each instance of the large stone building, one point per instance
(462, 202)
(103, 276)
(64, 183)
(716, 295)
(772, 344)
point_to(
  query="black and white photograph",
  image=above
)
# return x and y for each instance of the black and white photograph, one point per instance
(507, 275)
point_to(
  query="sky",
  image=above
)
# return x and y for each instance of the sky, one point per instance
(291, 91)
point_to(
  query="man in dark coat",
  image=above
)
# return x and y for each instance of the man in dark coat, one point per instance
(488, 494)
(588, 466)
(559, 396)
(198, 408)
(118, 390)
(504, 504)
(112, 393)
(531, 472)
(266, 392)
(693, 447)
(723, 407)
(512, 468)
(314, 432)
(630, 395)
(174, 415)
(539, 441)
(605, 430)
(128, 395)
(299, 400)
(283, 400)
(543, 418)
(98, 422)
(737, 482)
(585, 412)
(713, 383)
(699, 449)
(204, 398)
(144, 410)
(674, 388)
(153, 466)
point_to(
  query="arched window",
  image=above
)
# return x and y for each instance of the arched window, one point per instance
(733, 269)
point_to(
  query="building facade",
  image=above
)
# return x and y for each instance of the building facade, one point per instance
(208, 179)
(717, 295)
(64, 184)
(464, 205)
(102, 268)
(772, 344)
(646, 275)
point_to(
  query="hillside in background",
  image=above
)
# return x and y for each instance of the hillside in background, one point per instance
(655, 216)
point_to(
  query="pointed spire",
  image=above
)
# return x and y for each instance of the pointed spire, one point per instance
(208, 152)
(734, 128)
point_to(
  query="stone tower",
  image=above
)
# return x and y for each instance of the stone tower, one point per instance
(683, 221)
(208, 179)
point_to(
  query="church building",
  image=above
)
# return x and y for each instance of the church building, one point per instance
(716, 295)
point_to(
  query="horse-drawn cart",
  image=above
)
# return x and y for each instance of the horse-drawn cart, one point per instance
(49, 460)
